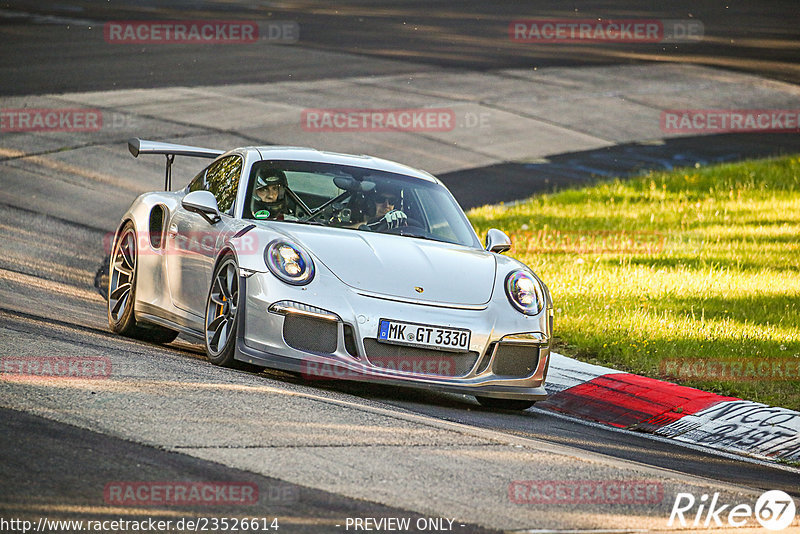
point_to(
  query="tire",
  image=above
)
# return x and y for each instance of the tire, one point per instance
(222, 316)
(504, 404)
(122, 275)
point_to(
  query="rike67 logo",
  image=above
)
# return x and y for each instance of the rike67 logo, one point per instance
(774, 510)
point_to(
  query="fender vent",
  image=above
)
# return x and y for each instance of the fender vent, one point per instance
(156, 226)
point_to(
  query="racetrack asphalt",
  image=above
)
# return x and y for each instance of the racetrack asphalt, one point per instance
(60, 47)
(355, 450)
(69, 475)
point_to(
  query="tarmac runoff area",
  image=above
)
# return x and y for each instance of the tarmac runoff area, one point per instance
(324, 440)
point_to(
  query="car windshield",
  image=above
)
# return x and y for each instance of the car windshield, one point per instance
(357, 198)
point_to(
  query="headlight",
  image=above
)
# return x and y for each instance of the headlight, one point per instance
(289, 262)
(524, 292)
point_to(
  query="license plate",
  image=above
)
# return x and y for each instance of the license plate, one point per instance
(423, 335)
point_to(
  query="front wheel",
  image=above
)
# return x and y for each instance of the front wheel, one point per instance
(504, 404)
(222, 308)
(222, 315)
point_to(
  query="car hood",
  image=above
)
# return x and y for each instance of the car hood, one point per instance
(397, 266)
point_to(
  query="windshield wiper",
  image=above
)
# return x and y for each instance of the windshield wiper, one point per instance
(417, 236)
(313, 223)
(420, 236)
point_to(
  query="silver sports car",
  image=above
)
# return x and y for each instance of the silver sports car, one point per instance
(333, 266)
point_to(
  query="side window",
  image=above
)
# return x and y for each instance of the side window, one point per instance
(222, 180)
(198, 183)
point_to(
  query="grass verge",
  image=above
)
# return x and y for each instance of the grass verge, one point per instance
(691, 276)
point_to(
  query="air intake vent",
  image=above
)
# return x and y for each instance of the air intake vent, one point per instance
(419, 361)
(487, 357)
(350, 341)
(517, 361)
(310, 335)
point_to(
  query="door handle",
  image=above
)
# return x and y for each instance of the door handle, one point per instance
(173, 230)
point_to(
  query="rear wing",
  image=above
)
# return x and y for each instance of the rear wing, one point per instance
(140, 146)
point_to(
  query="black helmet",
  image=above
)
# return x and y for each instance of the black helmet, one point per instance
(266, 177)
(383, 191)
(389, 192)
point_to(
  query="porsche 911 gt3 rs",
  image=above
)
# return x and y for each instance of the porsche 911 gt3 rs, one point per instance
(333, 266)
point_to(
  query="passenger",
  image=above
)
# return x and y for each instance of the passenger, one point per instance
(382, 214)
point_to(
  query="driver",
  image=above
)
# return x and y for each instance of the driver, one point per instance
(269, 195)
(384, 199)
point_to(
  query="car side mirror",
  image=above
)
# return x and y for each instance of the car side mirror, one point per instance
(202, 203)
(497, 241)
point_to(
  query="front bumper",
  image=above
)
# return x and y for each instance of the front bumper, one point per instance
(508, 352)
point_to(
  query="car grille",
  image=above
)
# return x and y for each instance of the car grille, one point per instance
(310, 335)
(419, 361)
(517, 361)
